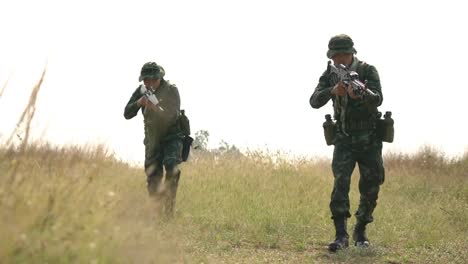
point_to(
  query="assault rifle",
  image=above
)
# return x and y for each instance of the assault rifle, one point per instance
(350, 77)
(149, 93)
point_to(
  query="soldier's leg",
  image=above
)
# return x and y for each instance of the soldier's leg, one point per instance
(154, 175)
(171, 185)
(172, 157)
(343, 165)
(153, 165)
(372, 176)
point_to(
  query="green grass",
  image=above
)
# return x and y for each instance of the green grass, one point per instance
(80, 205)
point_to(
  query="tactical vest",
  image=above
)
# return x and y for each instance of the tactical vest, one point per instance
(158, 125)
(359, 115)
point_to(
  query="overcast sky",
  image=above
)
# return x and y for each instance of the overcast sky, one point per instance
(245, 69)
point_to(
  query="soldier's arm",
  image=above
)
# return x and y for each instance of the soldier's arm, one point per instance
(322, 93)
(373, 84)
(131, 109)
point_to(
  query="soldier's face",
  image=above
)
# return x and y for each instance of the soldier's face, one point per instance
(153, 84)
(343, 58)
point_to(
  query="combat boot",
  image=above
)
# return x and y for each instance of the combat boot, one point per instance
(341, 237)
(359, 235)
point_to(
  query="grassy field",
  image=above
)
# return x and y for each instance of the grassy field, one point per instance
(81, 205)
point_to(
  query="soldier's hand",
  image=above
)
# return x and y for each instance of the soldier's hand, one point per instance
(351, 94)
(143, 101)
(339, 89)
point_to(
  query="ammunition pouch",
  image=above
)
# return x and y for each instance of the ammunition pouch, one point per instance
(329, 131)
(385, 130)
(184, 126)
(186, 143)
(184, 123)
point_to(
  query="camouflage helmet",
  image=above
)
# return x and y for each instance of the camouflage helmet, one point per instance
(340, 44)
(151, 70)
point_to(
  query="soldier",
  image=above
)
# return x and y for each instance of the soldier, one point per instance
(355, 140)
(159, 102)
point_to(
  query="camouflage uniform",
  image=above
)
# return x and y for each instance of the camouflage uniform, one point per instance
(355, 140)
(163, 137)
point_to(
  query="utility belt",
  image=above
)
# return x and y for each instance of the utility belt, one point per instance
(383, 127)
(359, 124)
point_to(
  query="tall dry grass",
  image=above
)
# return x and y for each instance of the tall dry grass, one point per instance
(74, 204)
(71, 207)
(81, 205)
(3, 87)
(24, 124)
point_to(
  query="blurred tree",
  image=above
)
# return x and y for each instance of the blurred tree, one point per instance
(224, 147)
(201, 140)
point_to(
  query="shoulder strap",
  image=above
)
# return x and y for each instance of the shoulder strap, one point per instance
(363, 71)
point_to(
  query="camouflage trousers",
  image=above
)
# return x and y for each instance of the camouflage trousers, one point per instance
(158, 157)
(372, 175)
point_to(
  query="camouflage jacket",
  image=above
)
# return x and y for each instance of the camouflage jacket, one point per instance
(161, 123)
(346, 109)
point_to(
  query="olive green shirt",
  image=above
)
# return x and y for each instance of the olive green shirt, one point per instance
(158, 123)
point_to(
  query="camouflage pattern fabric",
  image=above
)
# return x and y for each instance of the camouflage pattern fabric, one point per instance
(364, 149)
(163, 137)
(360, 145)
(340, 44)
(168, 154)
(151, 70)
